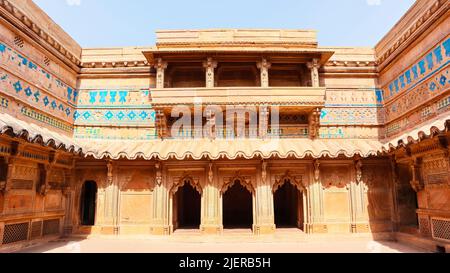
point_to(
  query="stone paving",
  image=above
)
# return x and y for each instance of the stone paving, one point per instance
(232, 242)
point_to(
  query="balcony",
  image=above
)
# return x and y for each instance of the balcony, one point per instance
(282, 96)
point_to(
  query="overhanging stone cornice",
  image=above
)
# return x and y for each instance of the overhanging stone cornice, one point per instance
(18, 19)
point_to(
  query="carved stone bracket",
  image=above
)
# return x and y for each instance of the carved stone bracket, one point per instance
(211, 174)
(264, 66)
(264, 171)
(109, 176)
(210, 65)
(295, 180)
(314, 67)
(160, 67)
(158, 178)
(358, 169)
(316, 170)
(161, 123)
(416, 181)
(314, 123)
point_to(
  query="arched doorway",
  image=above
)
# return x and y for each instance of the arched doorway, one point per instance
(187, 208)
(237, 207)
(88, 203)
(288, 204)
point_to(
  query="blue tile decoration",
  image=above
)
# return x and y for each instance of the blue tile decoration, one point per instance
(52, 84)
(425, 68)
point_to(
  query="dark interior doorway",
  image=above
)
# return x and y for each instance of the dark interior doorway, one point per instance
(288, 201)
(88, 203)
(187, 208)
(237, 207)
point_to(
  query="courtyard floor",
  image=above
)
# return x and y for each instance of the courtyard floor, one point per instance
(229, 242)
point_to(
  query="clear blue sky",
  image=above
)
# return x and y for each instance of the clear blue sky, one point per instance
(96, 23)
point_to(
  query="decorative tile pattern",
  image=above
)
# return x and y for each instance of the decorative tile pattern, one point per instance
(115, 117)
(432, 87)
(354, 98)
(82, 132)
(351, 116)
(349, 132)
(17, 88)
(425, 68)
(20, 65)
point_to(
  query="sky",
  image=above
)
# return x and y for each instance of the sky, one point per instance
(109, 23)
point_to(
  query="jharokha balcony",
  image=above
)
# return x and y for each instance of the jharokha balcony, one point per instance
(271, 75)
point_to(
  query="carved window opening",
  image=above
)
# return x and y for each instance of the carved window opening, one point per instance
(238, 75)
(288, 75)
(185, 75)
(187, 207)
(288, 204)
(88, 203)
(237, 207)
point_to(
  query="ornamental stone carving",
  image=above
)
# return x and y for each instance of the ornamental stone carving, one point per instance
(210, 65)
(295, 179)
(246, 182)
(416, 181)
(186, 178)
(358, 169)
(158, 178)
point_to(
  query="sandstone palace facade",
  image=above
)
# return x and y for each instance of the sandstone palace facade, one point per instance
(356, 140)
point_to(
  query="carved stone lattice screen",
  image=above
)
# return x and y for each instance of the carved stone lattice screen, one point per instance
(51, 227)
(15, 233)
(441, 229)
(36, 230)
(425, 227)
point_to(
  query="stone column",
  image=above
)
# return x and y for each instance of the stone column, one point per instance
(265, 220)
(314, 68)
(393, 188)
(314, 223)
(160, 67)
(68, 193)
(112, 193)
(263, 121)
(264, 66)
(160, 214)
(211, 217)
(210, 65)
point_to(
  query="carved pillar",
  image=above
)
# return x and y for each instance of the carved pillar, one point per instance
(393, 187)
(160, 214)
(313, 199)
(68, 193)
(265, 220)
(314, 123)
(263, 121)
(417, 181)
(314, 68)
(264, 66)
(161, 124)
(212, 130)
(356, 197)
(210, 65)
(43, 187)
(160, 67)
(112, 192)
(211, 215)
